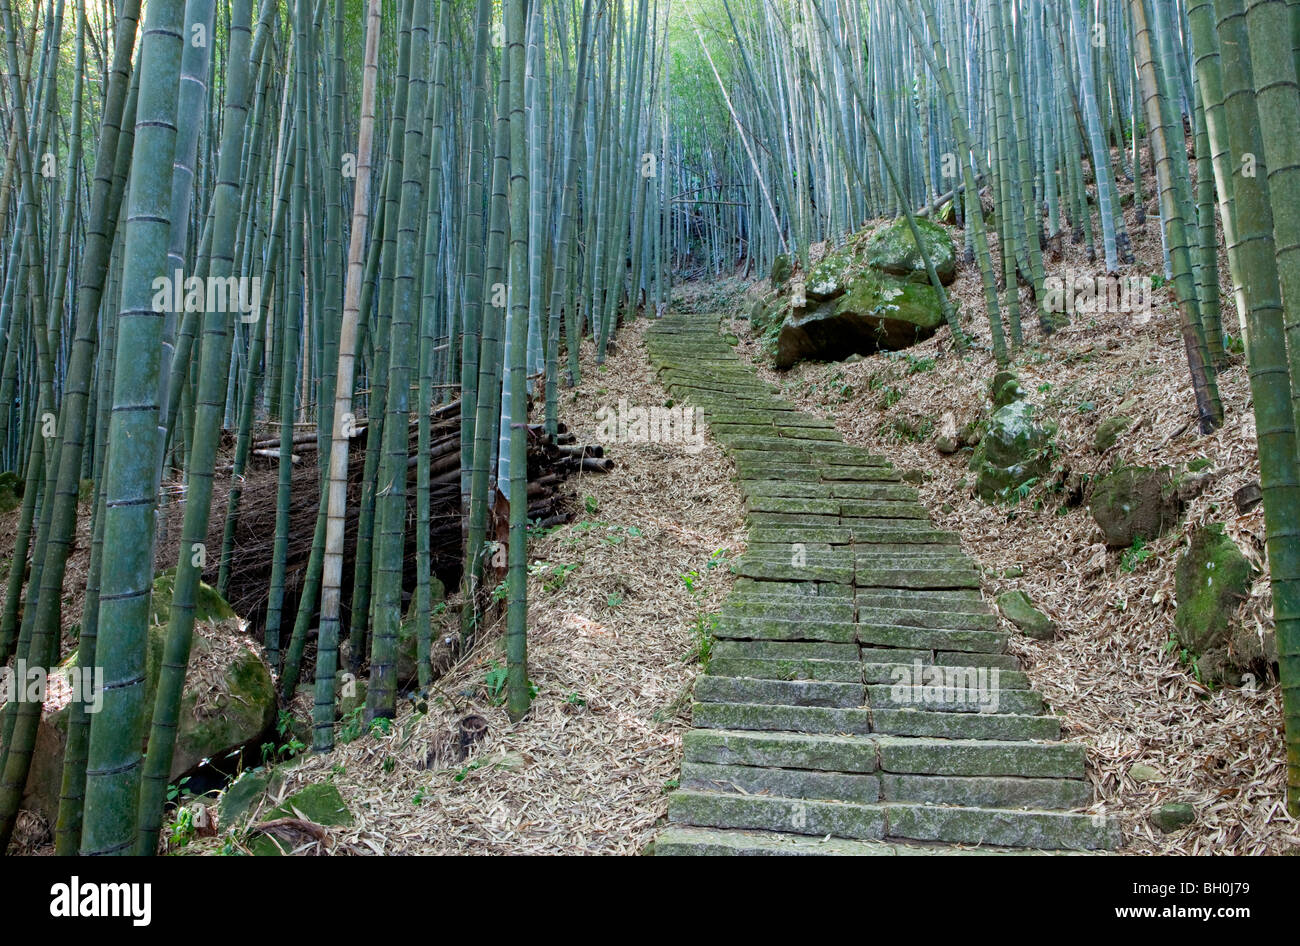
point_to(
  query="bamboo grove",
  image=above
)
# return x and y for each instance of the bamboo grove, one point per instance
(387, 212)
(315, 217)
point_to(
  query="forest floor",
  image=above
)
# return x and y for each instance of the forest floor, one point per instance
(1112, 670)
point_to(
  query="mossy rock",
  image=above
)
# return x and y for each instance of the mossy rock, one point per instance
(1005, 388)
(241, 795)
(319, 803)
(1014, 450)
(228, 702)
(892, 249)
(876, 312)
(1017, 608)
(208, 603)
(831, 277)
(1211, 579)
(1108, 432)
(781, 270)
(1135, 502)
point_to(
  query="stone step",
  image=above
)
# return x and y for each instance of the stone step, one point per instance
(928, 723)
(684, 840)
(928, 638)
(920, 617)
(760, 717)
(1050, 830)
(843, 671)
(774, 629)
(723, 689)
(787, 783)
(969, 690)
(785, 650)
(985, 792)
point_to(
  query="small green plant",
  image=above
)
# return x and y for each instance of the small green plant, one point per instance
(591, 504)
(182, 830)
(1134, 556)
(614, 600)
(460, 776)
(178, 790)
(574, 700)
(495, 681)
(553, 576)
(418, 797)
(350, 726)
(381, 726)
(917, 365)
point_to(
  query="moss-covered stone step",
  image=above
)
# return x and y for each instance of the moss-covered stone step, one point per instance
(1006, 662)
(919, 617)
(775, 629)
(929, 638)
(805, 608)
(752, 488)
(825, 753)
(881, 509)
(684, 840)
(967, 690)
(980, 757)
(965, 600)
(987, 792)
(896, 671)
(844, 671)
(797, 816)
(793, 504)
(761, 716)
(725, 689)
(919, 578)
(825, 566)
(749, 587)
(784, 650)
(817, 434)
(939, 724)
(784, 782)
(873, 491)
(1002, 827)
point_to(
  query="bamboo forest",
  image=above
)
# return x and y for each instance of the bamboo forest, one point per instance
(714, 427)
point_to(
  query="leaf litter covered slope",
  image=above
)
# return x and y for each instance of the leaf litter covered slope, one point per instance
(1111, 672)
(608, 647)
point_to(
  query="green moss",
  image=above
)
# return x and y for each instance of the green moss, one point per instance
(1211, 579)
(893, 249)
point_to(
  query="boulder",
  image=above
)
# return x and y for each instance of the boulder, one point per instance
(1211, 579)
(319, 803)
(1014, 450)
(892, 249)
(228, 702)
(874, 312)
(765, 313)
(1134, 502)
(1020, 611)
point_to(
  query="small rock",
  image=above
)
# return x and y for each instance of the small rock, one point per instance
(915, 477)
(1108, 432)
(947, 440)
(1171, 817)
(1020, 611)
(1015, 571)
(1135, 502)
(1142, 772)
(1248, 497)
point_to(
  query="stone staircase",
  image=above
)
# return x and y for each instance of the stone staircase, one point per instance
(860, 699)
